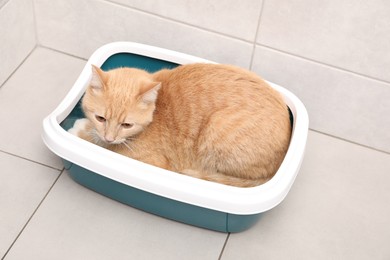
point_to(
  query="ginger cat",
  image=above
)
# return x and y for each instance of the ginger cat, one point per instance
(215, 122)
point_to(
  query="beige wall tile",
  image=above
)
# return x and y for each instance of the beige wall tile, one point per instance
(339, 103)
(80, 27)
(231, 17)
(2, 2)
(353, 35)
(17, 35)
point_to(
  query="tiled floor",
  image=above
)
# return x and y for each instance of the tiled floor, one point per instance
(338, 207)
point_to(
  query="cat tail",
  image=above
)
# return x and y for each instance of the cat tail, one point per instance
(225, 179)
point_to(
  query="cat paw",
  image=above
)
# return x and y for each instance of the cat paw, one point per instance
(79, 126)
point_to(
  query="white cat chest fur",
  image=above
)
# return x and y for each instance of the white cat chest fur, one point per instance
(155, 190)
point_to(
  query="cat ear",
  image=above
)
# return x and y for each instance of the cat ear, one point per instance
(98, 78)
(150, 95)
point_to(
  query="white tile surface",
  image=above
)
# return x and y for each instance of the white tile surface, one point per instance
(23, 185)
(338, 208)
(17, 35)
(30, 95)
(339, 103)
(238, 19)
(100, 22)
(76, 223)
(353, 35)
(2, 2)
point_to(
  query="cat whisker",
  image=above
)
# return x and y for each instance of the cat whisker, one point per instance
(129, 139)
(96, 138)
(128, 146)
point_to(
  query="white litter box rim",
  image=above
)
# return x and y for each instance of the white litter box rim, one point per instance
(215, 196)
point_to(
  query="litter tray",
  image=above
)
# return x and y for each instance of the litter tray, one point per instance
(168, 194)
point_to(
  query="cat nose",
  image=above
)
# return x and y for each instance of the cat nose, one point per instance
(109, 139)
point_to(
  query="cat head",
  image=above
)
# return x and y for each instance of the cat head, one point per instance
(120, 103)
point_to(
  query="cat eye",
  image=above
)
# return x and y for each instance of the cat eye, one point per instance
(100, 119)
(127, 125)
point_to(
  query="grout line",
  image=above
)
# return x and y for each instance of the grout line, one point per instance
(317, 131)
(61, 52)
(2, 5)
(34, 13)
(17, 67)
(246, 41)
(231, 37)
(251, 64)
(177, 21)
(349, 141)
(224, 246)
(32, 215)
(256, 34)
(24, 158)
(324, 64)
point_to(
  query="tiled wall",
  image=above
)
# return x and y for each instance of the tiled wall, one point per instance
(17, 34)
(334, 55)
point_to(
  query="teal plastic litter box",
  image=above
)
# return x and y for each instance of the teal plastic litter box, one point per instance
(168, 194)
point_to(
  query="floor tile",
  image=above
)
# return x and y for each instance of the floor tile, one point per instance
(23, 185)
(240, 21)
(338, 208)
(77, 223)
(17, 34)
(35, 89)
(2, 2)
(101, 22)
(352, 35)
(339, 103)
